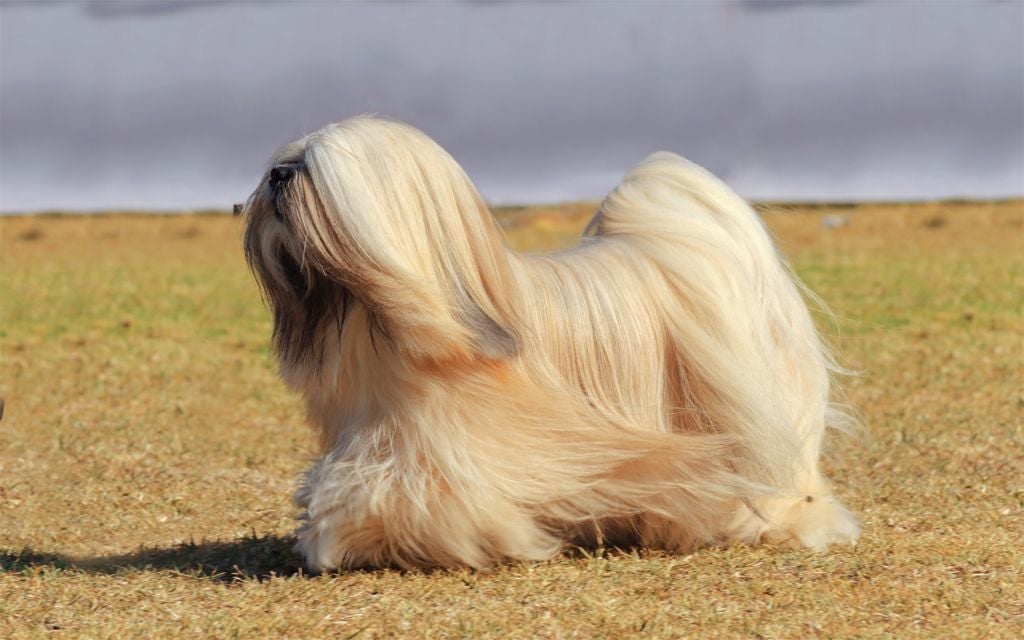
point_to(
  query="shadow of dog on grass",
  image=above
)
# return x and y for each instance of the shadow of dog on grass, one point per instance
(251, 557)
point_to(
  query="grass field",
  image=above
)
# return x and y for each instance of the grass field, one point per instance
(148, 452)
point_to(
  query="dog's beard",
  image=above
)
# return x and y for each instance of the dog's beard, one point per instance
(306, 304)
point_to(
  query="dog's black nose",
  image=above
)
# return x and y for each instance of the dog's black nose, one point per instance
(281, 174)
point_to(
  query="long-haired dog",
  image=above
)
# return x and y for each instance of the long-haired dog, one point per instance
(661, 384)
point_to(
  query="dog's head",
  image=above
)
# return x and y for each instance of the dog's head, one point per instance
(374, 214)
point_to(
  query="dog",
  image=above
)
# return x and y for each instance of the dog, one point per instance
(660, 385)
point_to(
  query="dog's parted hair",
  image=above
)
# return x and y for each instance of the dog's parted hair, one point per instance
(661, 384)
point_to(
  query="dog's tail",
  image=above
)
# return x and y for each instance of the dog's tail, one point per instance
(745, 342)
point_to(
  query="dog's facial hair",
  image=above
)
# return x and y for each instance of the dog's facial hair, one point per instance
(302, 298)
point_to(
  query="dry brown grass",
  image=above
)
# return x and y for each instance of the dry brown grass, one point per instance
(148, 451)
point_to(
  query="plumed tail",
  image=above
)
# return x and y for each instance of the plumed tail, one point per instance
(745, 343)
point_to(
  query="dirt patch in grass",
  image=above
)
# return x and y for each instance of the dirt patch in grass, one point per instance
(148, 451)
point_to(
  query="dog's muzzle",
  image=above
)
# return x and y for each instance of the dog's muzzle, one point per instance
(279, 177)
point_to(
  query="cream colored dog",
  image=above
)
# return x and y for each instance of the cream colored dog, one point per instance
(661, 384)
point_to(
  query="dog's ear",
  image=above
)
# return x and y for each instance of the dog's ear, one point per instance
(389, 214)
(493, 332)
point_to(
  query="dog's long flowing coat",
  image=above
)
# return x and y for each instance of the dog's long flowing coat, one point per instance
(661, 384)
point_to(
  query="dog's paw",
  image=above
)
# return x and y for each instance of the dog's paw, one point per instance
(810, 521)
(814, 522)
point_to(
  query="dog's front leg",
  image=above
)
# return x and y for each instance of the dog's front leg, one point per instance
(350, 518)
(395, 514)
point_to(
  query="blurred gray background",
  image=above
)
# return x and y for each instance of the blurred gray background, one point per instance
(177, 105)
